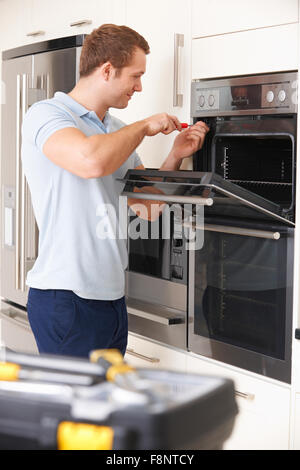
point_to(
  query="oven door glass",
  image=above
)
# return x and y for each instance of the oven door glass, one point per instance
(240, 295)
(220, 197)
(157, 249)
(150, 256)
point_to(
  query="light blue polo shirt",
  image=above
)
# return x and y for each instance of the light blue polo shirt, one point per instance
(79, 244)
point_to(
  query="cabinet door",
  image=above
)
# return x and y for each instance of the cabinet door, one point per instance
(217, 17)
(83, 17)
(159, 21)
(143, 353)
(75, 17)
(260, 51)
(264, 407)
(14, 21)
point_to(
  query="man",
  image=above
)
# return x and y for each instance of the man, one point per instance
(73, 151)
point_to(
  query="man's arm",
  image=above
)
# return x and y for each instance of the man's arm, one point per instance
(102, 154)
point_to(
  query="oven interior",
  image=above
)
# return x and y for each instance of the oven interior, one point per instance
(263, 166)
(247, 154)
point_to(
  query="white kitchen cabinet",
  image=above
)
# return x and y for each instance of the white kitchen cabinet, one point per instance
(259, 51)
(158, 21)
(76, 17)
(14, 21)
(227, 16)
(145, 353)
(38, 20)
(264, 407)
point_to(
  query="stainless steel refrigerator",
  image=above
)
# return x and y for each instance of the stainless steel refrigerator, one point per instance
(29, 74)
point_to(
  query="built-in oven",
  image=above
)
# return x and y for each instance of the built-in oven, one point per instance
(240, 200)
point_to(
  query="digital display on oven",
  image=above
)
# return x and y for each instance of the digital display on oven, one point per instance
(246, 97)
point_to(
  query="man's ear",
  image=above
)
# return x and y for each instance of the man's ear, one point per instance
(106, 70)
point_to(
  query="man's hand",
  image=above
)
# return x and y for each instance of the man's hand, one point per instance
(163, 123)
(189, 141)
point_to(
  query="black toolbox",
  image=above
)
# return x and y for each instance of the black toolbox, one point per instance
(51, 402)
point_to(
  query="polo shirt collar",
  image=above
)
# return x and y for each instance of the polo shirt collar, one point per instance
(80, 110)
(74, 106)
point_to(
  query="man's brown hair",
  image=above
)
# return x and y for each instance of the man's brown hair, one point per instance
(110, 43)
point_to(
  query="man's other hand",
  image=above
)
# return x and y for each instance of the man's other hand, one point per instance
(189, 141)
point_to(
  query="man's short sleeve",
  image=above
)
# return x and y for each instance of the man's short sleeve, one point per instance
(136, 161)
(42, 120)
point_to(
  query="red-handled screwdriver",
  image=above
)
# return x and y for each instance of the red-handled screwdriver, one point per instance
(185, 125)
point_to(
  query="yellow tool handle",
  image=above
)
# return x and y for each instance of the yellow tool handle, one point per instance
(112, 361)
(84, 436)
(9, 371)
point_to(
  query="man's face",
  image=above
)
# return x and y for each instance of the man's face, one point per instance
(125, 82)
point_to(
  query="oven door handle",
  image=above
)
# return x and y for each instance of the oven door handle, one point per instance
(202, 201)
(166, 318)
(235, 230)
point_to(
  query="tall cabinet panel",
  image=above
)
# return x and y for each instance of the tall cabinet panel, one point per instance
(166, 27)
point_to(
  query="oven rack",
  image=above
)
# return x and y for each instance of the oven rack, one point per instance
(273, 183)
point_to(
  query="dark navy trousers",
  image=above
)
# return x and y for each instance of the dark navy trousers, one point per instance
(66, 324)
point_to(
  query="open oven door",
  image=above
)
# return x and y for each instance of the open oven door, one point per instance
(220, 197)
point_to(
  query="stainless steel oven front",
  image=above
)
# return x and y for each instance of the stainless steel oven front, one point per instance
(240, 283)
(236, 289)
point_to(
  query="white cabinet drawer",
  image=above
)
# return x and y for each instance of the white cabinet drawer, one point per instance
(264, 407)
(16, 333)
(249, 52)
(219, 17)
(144, 353)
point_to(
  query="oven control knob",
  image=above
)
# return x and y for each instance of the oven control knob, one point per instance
(211, 100)
(270, 96)
(201, 101)
(281, 96)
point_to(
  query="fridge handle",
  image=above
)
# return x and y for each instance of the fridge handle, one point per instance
(20, 186)
(24, 191)
(17, 260)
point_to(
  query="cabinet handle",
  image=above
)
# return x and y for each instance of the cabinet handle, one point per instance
(178, 43)
(164, 320)
(141, 356)
(246, 396)
(80, 23)
(36, 33)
